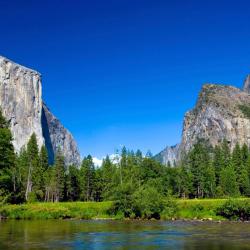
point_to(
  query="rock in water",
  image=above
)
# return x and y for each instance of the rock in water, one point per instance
(22, 105)
(221, 112)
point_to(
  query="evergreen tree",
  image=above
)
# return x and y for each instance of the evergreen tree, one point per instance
(59, 176)
(228, 181)
(186, 182)
(107, 176)
(199, 161)
(209, 181)
(7, 161)
(22, 170)
(43, 168)
(73, 184)
(43, 159)
(87, 173)
(225, 153)
(218, 162)
(244, 176)
(34, 173)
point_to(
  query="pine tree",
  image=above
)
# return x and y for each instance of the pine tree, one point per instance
(73, 184)
(22, 169)
(87, 173)
(43, 159)
(34, 173)
(228, 181)
(186, 182)
(107, 176)
(226, 155)
(59, 176)
(199, 161)
(218, 162)
(245, 177)
(209, 181)
(7, 161)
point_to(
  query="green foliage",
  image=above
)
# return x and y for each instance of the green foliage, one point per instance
(138, 186)
(59, 175)
(245, 109)
(7, 162)
(123, 200)
(235, 210)
(61, 210)
(87, 173)
(228, 181)
(147, 203)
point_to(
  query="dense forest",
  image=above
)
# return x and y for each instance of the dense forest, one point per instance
(133, 179)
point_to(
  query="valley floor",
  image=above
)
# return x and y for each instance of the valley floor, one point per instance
(195, 209)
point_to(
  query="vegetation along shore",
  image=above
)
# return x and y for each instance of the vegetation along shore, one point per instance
(176, 209)
(134, 186)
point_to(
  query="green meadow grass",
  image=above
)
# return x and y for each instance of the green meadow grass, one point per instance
(200, 208)
(60, 210)
(185, 209)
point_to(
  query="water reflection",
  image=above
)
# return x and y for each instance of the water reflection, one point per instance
(68, 234)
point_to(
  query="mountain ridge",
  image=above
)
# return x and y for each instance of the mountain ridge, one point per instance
(22, 105)
(217, 115)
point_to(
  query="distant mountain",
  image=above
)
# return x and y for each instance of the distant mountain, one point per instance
(21, 103)
(221, 112)
(168, 155)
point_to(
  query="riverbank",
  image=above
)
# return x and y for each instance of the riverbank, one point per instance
(196, 209)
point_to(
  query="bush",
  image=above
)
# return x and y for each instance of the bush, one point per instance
(170, 209)
(148, 203)
(235, 210)
(123, 201)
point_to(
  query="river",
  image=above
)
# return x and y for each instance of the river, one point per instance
(77, 234)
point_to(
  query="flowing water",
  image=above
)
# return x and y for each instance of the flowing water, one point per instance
(73, 234)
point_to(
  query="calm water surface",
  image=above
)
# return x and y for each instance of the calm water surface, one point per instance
(70, 234)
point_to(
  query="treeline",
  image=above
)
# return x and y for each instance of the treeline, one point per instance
(132, 181)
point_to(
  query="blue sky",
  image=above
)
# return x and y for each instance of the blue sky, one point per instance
(125, 72)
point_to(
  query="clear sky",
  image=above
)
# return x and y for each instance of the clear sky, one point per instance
(125, 72)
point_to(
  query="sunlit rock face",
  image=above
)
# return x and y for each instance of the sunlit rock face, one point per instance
(216, 116)
(20, 101)
(22, 105)
(168, 155)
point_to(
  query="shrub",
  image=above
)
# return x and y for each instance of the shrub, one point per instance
(235, 210)
(148, 203)
(170, 209)
(123, 201)
(245, 109)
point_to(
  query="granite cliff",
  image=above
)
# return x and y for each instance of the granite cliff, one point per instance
(221, 112)
(22, 105)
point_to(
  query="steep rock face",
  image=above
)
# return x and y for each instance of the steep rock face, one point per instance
(22, 105)
(20, 101)
(246, 86)
(218, 115)
(57, 137)
(168, 155)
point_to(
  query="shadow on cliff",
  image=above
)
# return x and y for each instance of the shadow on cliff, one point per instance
(46, 136)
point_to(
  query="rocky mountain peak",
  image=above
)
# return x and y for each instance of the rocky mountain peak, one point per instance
(22, 105)
(246, 86)
(221, 112)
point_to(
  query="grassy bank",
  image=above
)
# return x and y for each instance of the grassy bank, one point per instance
(61, 210)
(184, 209)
